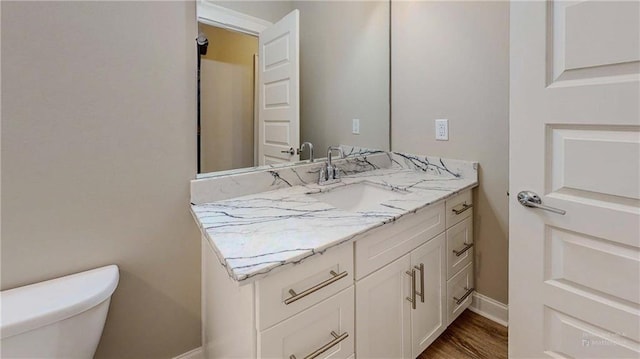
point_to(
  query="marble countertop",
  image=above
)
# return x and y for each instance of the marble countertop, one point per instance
(257, 234)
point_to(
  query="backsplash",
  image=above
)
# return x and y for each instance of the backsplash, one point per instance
(357, 160)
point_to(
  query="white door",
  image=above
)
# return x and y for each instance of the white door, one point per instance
(429, 319)
(574, 280)
(279, 99)
(383, 316)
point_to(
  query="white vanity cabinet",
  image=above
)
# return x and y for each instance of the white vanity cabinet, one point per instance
(403, 305)
(389, 294)
(400, 308)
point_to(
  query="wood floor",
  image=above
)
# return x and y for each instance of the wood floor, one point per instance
(469, 336)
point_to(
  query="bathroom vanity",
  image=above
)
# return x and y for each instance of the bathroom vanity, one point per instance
(375, 265)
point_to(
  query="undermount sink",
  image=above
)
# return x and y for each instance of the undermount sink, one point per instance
(358, 197)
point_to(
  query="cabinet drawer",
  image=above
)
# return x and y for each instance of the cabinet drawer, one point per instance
(459, 290)
(327, 325)
(393, 240)
(286, 293)
(459, 246)
(459, 207)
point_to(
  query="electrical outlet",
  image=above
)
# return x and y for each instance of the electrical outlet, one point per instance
(442, 129)
(355, 128)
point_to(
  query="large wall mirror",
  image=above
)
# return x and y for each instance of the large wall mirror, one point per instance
(257, 107)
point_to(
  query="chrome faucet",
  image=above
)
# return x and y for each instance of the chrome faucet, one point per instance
(329, 173)
(310, 145)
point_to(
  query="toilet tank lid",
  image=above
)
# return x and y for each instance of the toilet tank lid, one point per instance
(36, 305)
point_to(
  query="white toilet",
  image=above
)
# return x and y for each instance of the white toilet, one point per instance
(59, 318)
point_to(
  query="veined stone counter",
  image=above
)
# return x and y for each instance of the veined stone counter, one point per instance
(262, 221)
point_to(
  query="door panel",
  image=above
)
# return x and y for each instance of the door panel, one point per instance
(575, 149)
(383, 315)
(279, 101)
(575, 140)
(573, 338)
(593, 39)
(429, 319)
(571, 256)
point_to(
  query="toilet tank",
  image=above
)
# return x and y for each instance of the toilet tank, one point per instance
(58, 318)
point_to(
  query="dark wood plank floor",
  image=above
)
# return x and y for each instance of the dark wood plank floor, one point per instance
(469, 336)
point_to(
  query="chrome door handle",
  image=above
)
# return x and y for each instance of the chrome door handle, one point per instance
(532, 200)
(289, 151)
(336, 339)
(421, 292)
(412, 299)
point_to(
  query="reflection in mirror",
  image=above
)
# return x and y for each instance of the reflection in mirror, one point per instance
(343, 75)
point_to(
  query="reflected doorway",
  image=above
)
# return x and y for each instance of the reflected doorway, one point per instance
(227, 100)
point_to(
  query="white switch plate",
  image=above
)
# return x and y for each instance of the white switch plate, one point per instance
(355, 127)
(442, 129)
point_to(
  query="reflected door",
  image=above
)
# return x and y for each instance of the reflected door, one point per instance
(574, 280)
(279, 99)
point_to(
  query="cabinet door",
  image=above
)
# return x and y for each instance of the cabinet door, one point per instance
(459, 290)
(429, 320)
(383, 312)
(459, 208)
(459, 250)
(325, 329)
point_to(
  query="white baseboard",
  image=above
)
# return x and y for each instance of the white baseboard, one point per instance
(490, 309)
(196, 353)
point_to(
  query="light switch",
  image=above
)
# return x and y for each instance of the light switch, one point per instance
(442, 129)
(355, 128)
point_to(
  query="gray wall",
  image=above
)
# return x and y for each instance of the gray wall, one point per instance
(451, 60)
(270, 10)
(98, 147)
(344, 73)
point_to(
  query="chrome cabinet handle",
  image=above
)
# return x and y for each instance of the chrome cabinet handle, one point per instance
(532, 200)
(289, 151)
(421, 292)
(297, 296)
(467, 246)
(412, 299)
(466, 294)
(336, 339)
(465, 207)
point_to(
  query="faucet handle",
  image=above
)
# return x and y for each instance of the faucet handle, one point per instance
(326, 175)
(331, 172)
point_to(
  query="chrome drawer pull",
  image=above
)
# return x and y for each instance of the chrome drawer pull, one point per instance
(468, 293)
(421, 269)
(465, 207)
(412, 299)
(336, 339)
(467, 246)
(296, 296)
